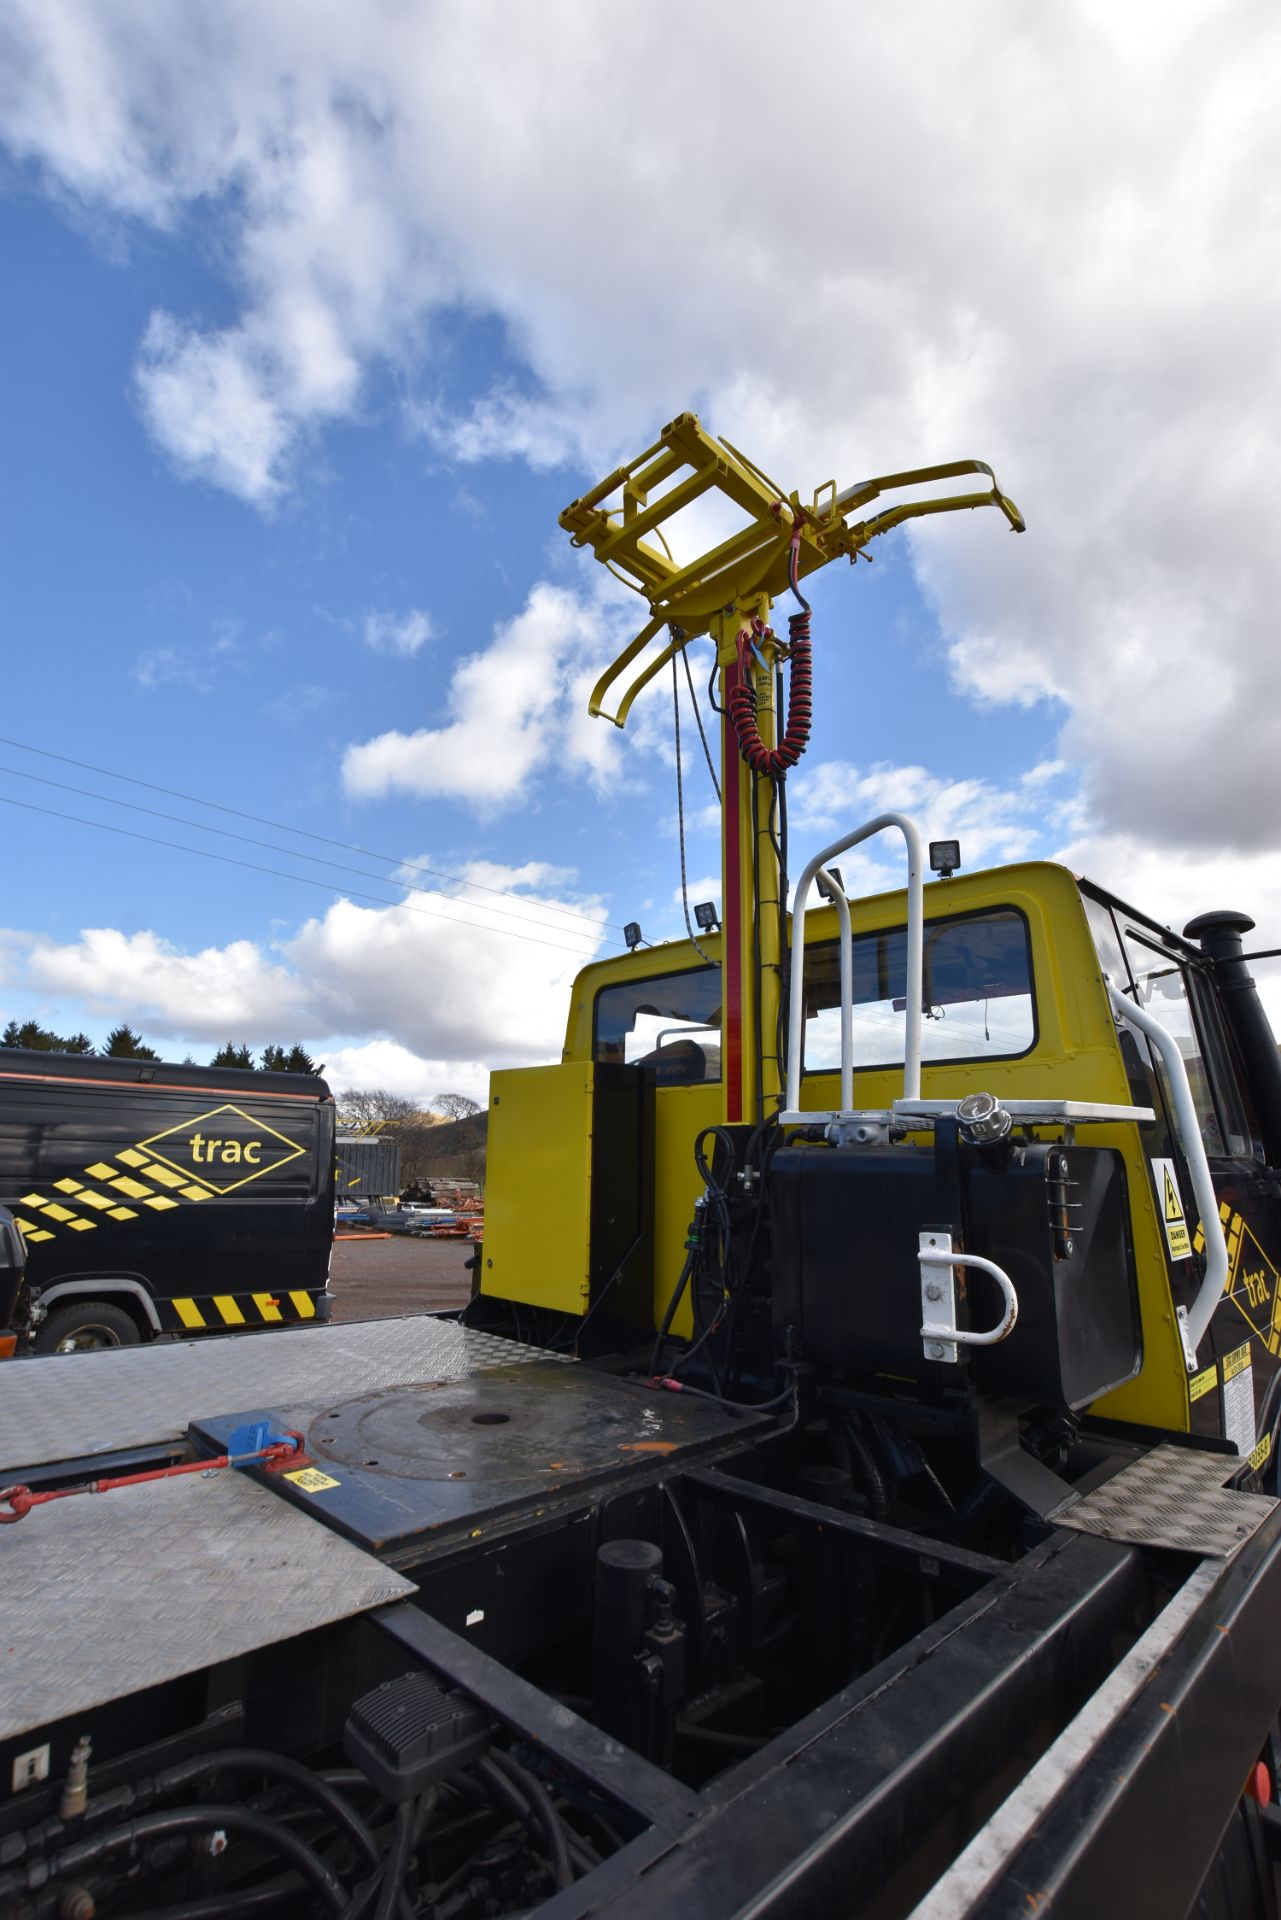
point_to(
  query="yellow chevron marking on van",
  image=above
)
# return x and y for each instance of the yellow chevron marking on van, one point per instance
(81, 1226)
(101, 1171)
(58, 1213)
(305, 1305)
(123, 1213)
(266, 1305)
(230, 1312)
(196, 1193)
(67, 1186)
(160, 1204)
(134, 1188)
(132, 1157)
(163, 1176)
(189, 1313)
(88, 1198)
(33, 1200)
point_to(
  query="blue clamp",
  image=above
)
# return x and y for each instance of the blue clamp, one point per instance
(255, 1437)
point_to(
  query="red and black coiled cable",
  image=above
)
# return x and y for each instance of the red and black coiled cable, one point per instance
(773, 762)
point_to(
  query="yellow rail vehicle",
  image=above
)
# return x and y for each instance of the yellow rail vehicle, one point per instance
(1017, 967)
(870, 1508)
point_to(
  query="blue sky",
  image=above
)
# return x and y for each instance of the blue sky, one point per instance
(304, 354)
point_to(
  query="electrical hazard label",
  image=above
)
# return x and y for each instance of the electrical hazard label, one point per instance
(312, 1480)
(1170, 1204)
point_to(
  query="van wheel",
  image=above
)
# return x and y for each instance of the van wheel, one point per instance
(86, 1327)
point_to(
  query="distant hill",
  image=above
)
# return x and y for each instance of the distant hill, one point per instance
(454, 1149)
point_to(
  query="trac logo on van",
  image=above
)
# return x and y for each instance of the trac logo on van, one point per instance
(225, 1148)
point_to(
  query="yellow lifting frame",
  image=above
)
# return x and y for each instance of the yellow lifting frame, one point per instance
(752, 561)
(717, 594)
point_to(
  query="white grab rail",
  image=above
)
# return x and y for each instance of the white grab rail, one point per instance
(1192, 1321)
(943, 1336)
(831, 886)
(914, 968)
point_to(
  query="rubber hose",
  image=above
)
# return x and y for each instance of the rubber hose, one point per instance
(277, 1766)
(180, 1820)
(531, 1803)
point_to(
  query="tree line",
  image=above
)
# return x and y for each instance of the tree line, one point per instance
(122, 1043)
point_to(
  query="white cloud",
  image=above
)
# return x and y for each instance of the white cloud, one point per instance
(993, 824)
(515, 708)
(449, 978)
(402, 633)
(1041, 235)
(385, 1064)
(209, 993)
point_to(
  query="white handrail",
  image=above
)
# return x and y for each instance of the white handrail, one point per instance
(914, 968)
(1192, 1321)
(836, 893)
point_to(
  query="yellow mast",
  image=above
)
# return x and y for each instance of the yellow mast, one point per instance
(726, 593)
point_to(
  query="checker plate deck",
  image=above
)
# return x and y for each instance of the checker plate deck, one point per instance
(228, 1567)
(69, 1406)
(1172, 1497)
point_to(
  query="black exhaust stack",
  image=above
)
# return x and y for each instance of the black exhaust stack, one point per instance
(1220, 937)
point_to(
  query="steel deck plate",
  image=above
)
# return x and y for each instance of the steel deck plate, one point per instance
(236, 1569)
(1172, 1497)
(66, 1406)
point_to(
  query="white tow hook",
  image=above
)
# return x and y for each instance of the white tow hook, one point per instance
(941, 1336)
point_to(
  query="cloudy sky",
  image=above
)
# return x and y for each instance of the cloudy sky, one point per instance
(316, 314)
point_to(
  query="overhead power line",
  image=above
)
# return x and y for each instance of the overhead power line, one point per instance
(290, 853)
(283, 826)
(299, 879)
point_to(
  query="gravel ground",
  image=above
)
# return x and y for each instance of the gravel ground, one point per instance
(378, 1279)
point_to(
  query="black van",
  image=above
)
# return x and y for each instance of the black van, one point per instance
(163, 1199)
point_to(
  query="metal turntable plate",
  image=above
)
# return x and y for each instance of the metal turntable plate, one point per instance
(396, 1465)
(513, 1424)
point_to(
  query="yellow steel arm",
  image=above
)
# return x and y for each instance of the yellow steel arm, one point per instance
(683, 465)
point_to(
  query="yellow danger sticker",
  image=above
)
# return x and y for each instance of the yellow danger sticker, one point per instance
(312, 1480)
(1170, 1204)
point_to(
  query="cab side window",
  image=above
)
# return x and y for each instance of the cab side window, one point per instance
(1169, 992)
(670, 1022)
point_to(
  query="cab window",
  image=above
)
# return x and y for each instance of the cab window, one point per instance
(978, 998)
(670, 1022)
(1163, 986)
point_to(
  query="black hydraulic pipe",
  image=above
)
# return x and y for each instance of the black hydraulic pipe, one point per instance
(1220, 936)
(180, 1820)
(544, 1814)
(276, 1766)
(396, 1865)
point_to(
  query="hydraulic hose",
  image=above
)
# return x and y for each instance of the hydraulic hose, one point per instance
(277, 1766)
(518, 1788)
(396, 1865)
(267, 1833)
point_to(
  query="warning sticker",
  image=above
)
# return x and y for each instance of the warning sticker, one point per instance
(1170, 1202)
(1203, 1383)
(1238, 1399)
(312, 1480)
(1261, 1452)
